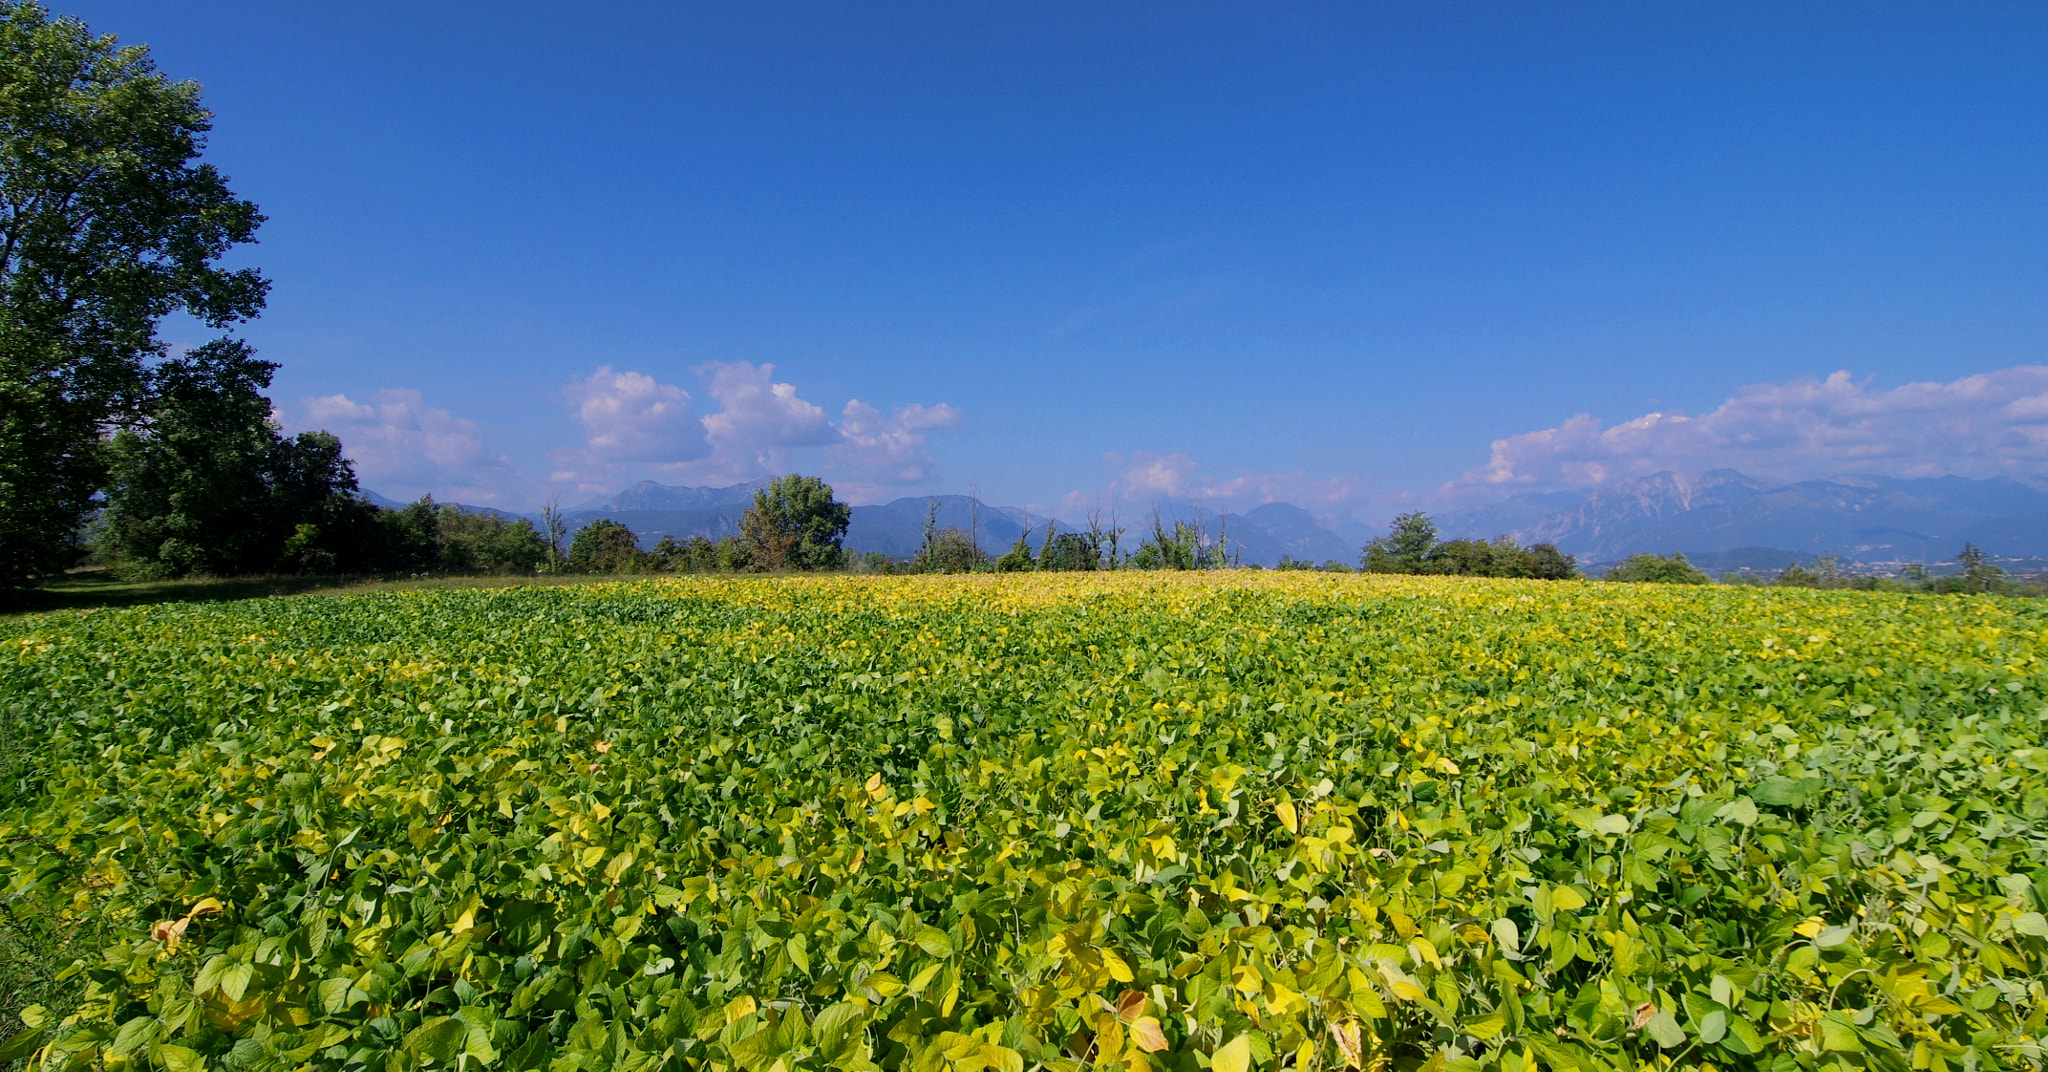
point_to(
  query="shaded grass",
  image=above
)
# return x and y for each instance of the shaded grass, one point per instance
(101, 588)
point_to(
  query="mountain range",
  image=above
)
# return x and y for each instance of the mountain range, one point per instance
(1723, 513)
(1722, 520)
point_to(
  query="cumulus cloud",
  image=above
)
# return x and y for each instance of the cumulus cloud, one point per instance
(631, 417)
(1993, 424)
(889, 450)
(633, 422)
(1145, 476)
(759, 421)
(404, 448)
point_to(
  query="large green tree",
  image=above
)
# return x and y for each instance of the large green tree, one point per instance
(108, 223)
(606, 546)
(1406, 548)
(206, 484)
(795, 523)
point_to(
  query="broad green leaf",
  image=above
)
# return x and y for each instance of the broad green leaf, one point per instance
(235, 978)
(1664, 1028)
(934, 941)
(134, 1035)
(835, 1026)
(438, 1039)
(177, 1058)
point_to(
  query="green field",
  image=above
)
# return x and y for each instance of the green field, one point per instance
(1228, 821)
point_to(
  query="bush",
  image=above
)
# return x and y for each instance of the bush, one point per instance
(1658, 569)
(1018, 558)
(605, 546)
(949, 550)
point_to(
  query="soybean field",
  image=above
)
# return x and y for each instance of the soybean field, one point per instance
(1223, 821)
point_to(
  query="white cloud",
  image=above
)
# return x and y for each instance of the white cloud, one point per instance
(1146, 477)
(875, 451)
(631, 417)
(759, 421)
(1993, 424)
(633, 421)
(404, 448)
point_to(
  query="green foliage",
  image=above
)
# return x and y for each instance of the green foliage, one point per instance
(795, 523)
(1657, 569)
(471, 541)
(949, 550)
(1065, 552)
(605, 546)
(694, 555)
(1979, 575)
(1223, 821)
(1018, 559)
(108, 223)
(1546, 563)
(1405, 548)
(1411, 547)
(1185, 546)
(206, 485)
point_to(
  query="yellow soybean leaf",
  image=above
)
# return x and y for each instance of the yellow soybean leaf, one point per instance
(1246, 980)
(1118, 970)
(1566, 899)
(1232, 1056)
(1288, 818)
(1146, 1032)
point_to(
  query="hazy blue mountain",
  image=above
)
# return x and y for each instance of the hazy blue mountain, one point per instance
(1265, 534)
(897, 529)
(2012, 536)
(650, 496)
(654, 510)
(1355, 533)
(386, 502)
(1860, 519)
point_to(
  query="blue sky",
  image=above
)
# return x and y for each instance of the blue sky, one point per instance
(1351, 256)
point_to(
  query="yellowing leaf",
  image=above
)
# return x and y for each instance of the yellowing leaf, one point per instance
(1232, 1056)
(1147, 1033)
(1118, 970)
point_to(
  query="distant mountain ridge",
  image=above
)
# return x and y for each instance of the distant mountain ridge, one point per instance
(1862, 519)
(1262, 536)
(1723, 519)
